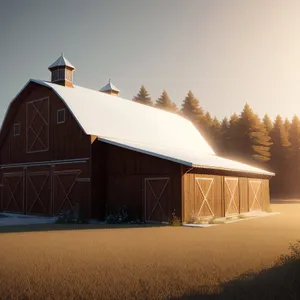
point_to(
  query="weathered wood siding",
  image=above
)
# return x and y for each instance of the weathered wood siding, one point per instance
(45, 155)
(220, 196)
(41, 138)
(119, 179)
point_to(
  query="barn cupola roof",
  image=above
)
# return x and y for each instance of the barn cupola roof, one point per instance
(110, 89)
(62, 72)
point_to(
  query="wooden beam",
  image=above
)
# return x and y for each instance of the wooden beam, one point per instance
(93, 138)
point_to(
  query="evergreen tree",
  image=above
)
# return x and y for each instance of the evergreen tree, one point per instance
(253, 139)
(294, 174)
(143, 97)
(223, 137)
(268, 123)
(279, 157)
(191, 108)
(287, 124)
(216, 135)
(229, 138)
(164, 102)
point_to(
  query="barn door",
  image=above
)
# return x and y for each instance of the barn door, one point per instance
(64, 190)
(37, 125)
(13, 192)
(232, 201)
(204, 196)
(38, 193)
(157, 194)
(255, 199)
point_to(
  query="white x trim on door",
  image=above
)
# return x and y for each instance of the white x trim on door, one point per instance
(255, 187)
(205, 195)
(232, 194)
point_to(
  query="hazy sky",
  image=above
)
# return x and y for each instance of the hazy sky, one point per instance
(227, 52)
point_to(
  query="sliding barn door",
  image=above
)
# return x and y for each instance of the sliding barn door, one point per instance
(157, 199)
(13, 192)
(232, 199)
(204, 196)
(255, 195)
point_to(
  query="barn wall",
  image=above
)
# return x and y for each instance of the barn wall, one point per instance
(54, 142)
(47, 155)
(228, 195)
(119, 178)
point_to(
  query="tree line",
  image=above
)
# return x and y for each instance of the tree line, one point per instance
(272, 145)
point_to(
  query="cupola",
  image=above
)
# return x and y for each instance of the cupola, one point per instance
(62, 72)
(110, 89)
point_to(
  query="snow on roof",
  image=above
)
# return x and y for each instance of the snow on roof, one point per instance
(109, 87)
(61, 62)
(142, 128)
(188, 158)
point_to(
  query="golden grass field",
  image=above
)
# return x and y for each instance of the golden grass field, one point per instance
(146, 262)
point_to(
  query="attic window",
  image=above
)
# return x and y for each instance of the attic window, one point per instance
(61, 116)
(17, 129)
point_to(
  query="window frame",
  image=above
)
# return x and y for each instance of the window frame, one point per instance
(17, 125)
(62, 110)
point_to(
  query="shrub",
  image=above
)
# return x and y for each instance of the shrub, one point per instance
(174, 221)
(117, 218)
(72, 216)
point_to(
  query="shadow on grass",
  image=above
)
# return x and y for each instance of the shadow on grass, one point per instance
(60, 227)
(282, 281)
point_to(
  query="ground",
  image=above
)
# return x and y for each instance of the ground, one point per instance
(54, 262)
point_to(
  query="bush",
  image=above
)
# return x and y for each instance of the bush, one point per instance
(174, 221)
(121, 217)
(72, 216)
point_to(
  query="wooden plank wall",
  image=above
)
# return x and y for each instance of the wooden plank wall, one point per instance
(118, 179)
(192, 198)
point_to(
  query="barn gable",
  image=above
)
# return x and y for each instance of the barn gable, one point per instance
(34, 111)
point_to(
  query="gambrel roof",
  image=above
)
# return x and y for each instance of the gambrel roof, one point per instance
(144, 129)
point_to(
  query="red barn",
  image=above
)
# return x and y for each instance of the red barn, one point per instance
(62, 144)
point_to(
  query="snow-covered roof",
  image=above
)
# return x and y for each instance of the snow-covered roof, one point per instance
(109, 87)
(61, 62)
(143, 129)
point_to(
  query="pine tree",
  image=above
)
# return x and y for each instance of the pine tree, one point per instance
(223, 137)
(164, 102)
(279, 157)
(287, 124)
(230, 144)
(294, 174)
(253, 139)
(216, 135)
(191, 108)
(143, 97)
(268, 123)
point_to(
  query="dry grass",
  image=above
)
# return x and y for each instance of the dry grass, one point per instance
(144, 262)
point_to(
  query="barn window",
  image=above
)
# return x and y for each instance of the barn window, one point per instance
(61, 116)
(17, 129)
(58, 74)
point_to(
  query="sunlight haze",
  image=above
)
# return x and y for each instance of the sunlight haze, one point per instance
(227, 52)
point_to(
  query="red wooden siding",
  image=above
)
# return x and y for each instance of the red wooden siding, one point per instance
(118, 180)
(41, 138)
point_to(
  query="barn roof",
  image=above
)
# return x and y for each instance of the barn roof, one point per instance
(141, 128)
(61, 62)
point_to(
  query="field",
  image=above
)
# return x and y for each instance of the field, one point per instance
(57, 262)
